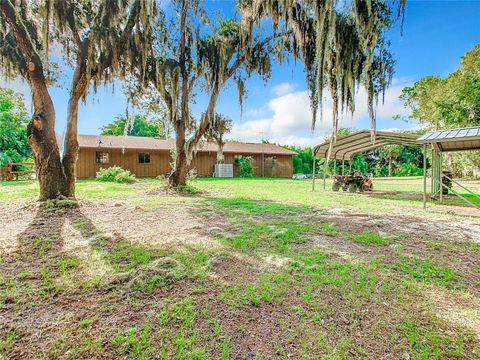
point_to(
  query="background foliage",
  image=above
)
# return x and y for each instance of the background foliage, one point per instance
(138, 126)
(450, 102)
(244, 166)
(13, 128)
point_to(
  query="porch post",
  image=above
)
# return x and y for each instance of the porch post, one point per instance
(325, 174)
(313, 171)
(440, 175)
(424, 176)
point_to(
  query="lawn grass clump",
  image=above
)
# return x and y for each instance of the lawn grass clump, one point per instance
(137, 344)
(427, 341)
(66, 265)
(427, 271)
(181, 338)
(252, 207)
(7, 342)
(157, 274)
(186, 190)
(122, 255)
(271, 287)
(276, 235)
(115, 174)
(370, 238)
(329, 229)
(58, 206)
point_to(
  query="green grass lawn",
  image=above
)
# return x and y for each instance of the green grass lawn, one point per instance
(238, 268)
(388, 195)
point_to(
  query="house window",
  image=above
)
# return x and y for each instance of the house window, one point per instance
(102, 157)
(143, 158)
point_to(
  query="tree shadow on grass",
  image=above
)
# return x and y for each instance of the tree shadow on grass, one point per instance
(43, 236)
(45, 282)
(44, 244)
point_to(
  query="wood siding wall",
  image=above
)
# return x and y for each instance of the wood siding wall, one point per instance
(204, 162)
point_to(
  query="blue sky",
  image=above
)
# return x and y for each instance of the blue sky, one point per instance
(436, 34)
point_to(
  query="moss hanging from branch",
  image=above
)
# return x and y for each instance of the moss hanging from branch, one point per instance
(341, 47)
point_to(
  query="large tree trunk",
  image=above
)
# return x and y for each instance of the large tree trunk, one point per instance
(41, 130)
(79, 86)
(70, 155)
(179, 174)
(42, 139)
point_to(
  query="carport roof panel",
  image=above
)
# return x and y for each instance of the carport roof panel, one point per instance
(471, 133)
(347, 146)
(453, 139)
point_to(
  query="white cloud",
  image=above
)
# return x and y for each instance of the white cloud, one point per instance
(292, 140)
(291, 116)
(283, 88)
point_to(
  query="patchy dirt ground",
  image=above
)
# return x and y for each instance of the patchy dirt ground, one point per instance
(227, 301)
(171, 224)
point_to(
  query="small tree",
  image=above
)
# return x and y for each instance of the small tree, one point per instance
(216, 130)
(194, 57)
(244, 164)
(100, 39)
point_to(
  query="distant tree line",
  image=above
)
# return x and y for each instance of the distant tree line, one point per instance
(392, 160)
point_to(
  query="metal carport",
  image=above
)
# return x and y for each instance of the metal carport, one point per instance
(346, 147)
(461, 139)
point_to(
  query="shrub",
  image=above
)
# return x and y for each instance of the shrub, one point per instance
(115, 174)
(245, 166)
(409, 170)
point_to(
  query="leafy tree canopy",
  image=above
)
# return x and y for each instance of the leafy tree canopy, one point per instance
(218, 127)
(139, 126)
(13, 128)
(450, 102)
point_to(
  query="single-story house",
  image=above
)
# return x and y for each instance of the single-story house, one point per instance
(151, 157)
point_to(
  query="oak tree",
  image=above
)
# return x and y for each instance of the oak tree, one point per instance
(100, 40)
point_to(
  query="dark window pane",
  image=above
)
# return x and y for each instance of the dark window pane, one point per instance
(143, 158)
(101, 157)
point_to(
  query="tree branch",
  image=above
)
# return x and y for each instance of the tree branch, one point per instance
(34, 72)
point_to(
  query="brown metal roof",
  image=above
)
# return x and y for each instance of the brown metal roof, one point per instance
(453, 139)
(346, 147)
(148, 143)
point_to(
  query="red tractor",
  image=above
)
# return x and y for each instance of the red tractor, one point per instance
(352, 182)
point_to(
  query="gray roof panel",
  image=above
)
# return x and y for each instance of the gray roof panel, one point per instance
(347, 146)
(454, 139)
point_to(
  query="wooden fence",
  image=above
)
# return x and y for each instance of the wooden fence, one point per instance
(11, 172)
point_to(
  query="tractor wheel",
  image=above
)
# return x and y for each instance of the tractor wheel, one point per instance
(352, 188)
(336, 186)
(361, 188)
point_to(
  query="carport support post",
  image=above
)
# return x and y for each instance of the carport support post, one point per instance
(313, 171)
(343, 166)
(440, 175)
(334, 167)
(325, 174)
(424, 176)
